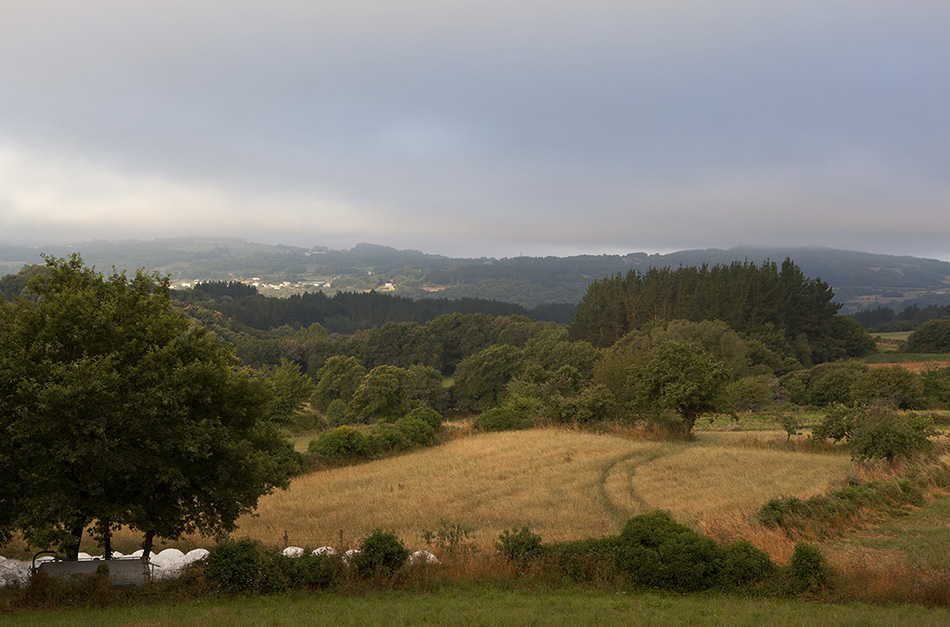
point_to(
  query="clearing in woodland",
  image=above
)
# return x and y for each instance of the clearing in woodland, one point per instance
(560, 483)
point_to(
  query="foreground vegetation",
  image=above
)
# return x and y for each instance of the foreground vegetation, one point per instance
(490, 604)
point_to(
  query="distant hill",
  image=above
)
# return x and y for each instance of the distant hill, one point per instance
(859, 279)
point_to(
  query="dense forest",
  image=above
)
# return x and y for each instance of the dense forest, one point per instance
(884, 319)
(792, 314)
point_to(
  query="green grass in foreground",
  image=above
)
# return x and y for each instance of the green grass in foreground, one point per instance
(491, 606)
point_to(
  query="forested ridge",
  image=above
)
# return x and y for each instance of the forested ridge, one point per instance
(775, 303)
(860, 280)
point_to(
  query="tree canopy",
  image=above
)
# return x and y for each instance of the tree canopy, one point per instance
(116, 410)
(752, 300)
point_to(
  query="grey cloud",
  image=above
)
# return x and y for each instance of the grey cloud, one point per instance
(507, 120)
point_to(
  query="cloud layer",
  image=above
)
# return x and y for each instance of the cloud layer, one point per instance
(480, 127)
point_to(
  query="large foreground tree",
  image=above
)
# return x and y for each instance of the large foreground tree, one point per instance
(116, 410)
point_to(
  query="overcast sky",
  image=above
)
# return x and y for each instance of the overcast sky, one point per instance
(497, 127)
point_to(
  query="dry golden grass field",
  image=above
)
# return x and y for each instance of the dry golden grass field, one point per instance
(562, 484)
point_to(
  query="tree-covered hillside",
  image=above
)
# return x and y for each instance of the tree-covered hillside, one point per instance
(859, 280)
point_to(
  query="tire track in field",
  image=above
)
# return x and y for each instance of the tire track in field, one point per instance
(628, 463)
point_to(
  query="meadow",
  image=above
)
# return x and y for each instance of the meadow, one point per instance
(491, 605)
(562, 484)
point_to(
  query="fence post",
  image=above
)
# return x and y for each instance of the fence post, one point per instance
(341, 541)
(285, 538)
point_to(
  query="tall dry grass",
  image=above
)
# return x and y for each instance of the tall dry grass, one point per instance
(562, 484)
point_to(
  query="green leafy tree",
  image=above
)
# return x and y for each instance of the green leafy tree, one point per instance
(291, 389)
(384, 394)
(894, 386)
(830, 383)
(480, 380)
(882, 433)
(338, 379)
(930, 337)
(116, 410)
(682, 378)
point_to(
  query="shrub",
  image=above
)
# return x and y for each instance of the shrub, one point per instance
(381, 553)
(654, 550)
(593, 560)
(387, 437)
(744, 564)
(236, 567)
(416, 430)
(309, 572)
(336, 413)
(831, 383)
(937, 385)
(749, 394)
(894, 386)
(838, 424)
(932, 336)
(520, 547)
(451, 537)
(498, 419)
(884, 434)
(428, 415)
(808, 570)
(339, 443)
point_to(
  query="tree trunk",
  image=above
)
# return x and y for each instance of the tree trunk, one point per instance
(72, 549)
(147, 545)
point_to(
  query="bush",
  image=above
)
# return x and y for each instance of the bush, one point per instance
(336, 413)
(656, 551)
(932, 336)
(830, 383)
(416, 430)
(309, 572)
(236, 567)
(593, 560)
(894, 386)
(427, 415)
(451, 538)
(520, 547)
(744, 564)
(883, 434)
(837, 425)
(381, 553)
(808, 570)
(498, 419)
(749, 394)
(387, 437)
(339, 443)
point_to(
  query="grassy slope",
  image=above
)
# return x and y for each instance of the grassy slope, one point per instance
(491, 606)
(562, 484)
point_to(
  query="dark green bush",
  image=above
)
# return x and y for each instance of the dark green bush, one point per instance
(339, 443)
(744, 564)
(336, 413)
(837, 425)
(884, 434)
(656, 551)
(416, 430)
(237, 567)
(498, 419)
(808, 570)
(593, 560)
(428, 415)
(521, 547)
(309, 572)
(381, 553)
(386, 437)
